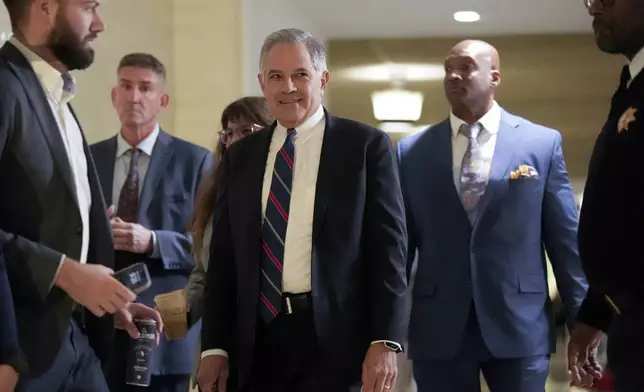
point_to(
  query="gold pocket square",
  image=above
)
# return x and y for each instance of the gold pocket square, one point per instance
(626, 119)
(524, 171)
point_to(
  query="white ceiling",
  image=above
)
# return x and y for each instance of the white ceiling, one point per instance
(422, 18)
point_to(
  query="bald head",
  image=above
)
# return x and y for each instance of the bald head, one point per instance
(480, 50)
(471, 77)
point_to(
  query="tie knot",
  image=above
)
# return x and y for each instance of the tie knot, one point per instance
(471, 131)
(68, 83)
(290, 133)
(134, 153)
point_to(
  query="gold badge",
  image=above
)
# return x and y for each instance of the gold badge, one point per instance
(627, 117)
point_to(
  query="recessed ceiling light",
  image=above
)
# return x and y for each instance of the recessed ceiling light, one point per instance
(466, 16)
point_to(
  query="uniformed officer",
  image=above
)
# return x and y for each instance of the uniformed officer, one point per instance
(611, 228)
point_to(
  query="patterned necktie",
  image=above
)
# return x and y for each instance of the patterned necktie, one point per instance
(475, 170)
(128, 207)
(274, 231)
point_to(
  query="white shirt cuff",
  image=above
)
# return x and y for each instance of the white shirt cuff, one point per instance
(387, 341)
(215, 351)
(60, 264)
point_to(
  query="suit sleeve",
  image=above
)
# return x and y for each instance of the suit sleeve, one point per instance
(195, 291)
(412, 243)
(384, 246)
(174, 248)
(9, 343)
(42, 262)
(560, 221)
(220, 291)
(595, 311)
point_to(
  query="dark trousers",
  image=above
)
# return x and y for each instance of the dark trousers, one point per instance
(117, 372)
(625, 350)
(75, 369)
(288, 359)
(462, 373)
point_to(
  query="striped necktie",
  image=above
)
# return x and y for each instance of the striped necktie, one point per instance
(475, 171)
(274, 231)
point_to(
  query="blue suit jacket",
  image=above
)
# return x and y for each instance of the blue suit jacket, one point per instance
(9, 344)
(165, 206)
(498, 263)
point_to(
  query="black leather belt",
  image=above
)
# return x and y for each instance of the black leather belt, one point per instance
(295, 303)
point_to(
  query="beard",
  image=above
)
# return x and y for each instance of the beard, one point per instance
(68, 48)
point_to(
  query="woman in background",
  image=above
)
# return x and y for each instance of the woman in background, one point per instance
(241, 118)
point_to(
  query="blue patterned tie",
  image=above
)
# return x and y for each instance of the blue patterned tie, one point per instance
(274, 231)
(475, 171)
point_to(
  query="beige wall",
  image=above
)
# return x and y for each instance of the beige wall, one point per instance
(560, 81)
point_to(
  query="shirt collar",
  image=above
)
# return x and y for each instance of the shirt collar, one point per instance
(306, 128)
(637, 64)
(146, 146)
(50, 78)
(490, 121)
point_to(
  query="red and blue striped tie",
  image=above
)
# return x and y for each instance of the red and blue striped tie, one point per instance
(274, 231)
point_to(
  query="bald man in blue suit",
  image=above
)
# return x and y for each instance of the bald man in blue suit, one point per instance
(486, 192)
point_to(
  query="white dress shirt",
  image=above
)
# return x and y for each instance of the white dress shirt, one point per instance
(298, 244)
(490, 124)
(636, 65)
(122, 167)
(52, 83)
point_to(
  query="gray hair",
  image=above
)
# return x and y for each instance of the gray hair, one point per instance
(295, 36)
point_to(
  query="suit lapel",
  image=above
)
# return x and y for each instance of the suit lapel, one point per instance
(506, 144)
(106, 159)
(161, 156)
(42, 110)
(248, 171)
(328, 169)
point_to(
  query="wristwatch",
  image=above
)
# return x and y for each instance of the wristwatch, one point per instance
(393, 347)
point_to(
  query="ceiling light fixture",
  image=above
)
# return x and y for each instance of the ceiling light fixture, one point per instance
(397, 105)
(466, 16)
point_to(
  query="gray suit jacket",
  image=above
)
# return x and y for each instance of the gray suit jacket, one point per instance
(39, 216)
(165, 206)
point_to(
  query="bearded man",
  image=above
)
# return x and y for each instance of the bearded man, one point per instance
(54, 230)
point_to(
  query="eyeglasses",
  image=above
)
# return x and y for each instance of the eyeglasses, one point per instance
(228, 134)
(604, 3)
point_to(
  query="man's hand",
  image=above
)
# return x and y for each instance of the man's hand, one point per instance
(8, 378)
(212, 374)
(582, 356)
(124, 319)
(131, 237)
(379, 369)
(93, 286)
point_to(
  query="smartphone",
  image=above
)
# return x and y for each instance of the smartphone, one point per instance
(135, 277)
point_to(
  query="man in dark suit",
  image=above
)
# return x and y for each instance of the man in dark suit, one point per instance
(11, 359)
(54, 232)
(320, 306)
(151, 179)
(486, 192)
(612, 212)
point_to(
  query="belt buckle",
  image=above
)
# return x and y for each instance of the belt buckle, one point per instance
(612, 304)
(289, 308)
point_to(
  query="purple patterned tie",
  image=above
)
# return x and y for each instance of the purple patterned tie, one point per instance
(128, 207)
(475, 170)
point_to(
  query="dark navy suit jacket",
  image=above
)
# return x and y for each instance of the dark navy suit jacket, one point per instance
(9, 344)
(498, 263)
(165, 206)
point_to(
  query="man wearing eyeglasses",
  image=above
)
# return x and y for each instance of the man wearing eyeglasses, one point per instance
(611, 226)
